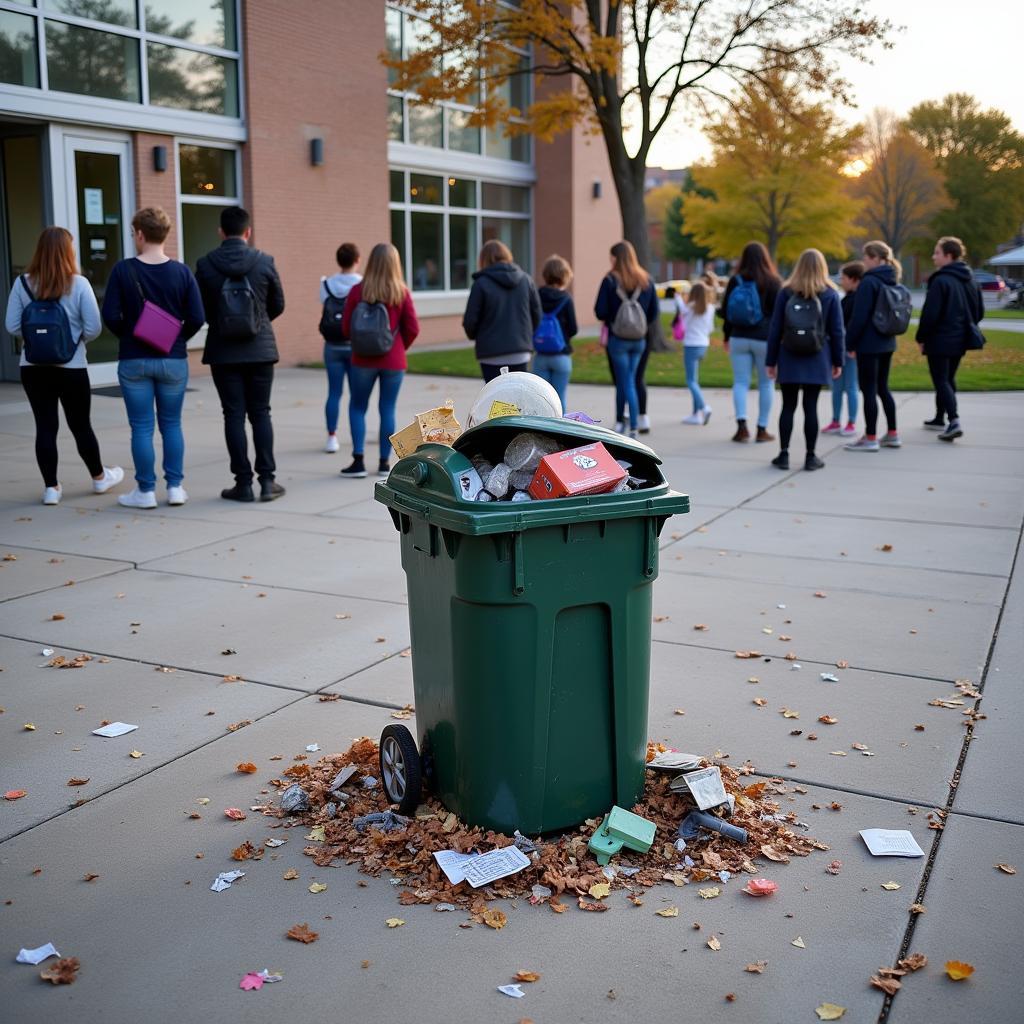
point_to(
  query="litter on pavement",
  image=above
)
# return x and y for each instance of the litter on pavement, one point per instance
(36, 956)
(114, 729)
(891, 842)
(224, 879)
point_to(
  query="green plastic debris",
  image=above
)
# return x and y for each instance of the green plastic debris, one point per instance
(621, 828)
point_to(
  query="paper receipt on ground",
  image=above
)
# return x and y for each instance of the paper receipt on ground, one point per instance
(706, 787)
(891, 842)
(488, 867)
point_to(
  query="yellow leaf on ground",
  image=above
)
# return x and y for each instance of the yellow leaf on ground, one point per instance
(246, 768)
(891, 886)
(668, 912)
(318, 887)
(600, 890)
(136, 754)
(1007, 869)
(714, 944)
(829, 1011)
(394, 922)
(290, 874)
(317, 834)
(957, 970)
(495, 919)
(757, 967)
(709, 893)
(526, 976)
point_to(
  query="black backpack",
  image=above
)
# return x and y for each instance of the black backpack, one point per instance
(330, 317)
(803, 333)
(892, 311)
(238, 312)
(370, 330)
(46, 331)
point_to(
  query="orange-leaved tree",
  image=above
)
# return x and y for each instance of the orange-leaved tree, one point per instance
(626, 65)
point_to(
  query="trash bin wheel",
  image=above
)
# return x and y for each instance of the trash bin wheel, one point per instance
(400, 768)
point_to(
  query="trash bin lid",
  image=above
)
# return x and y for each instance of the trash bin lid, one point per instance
(426, 483)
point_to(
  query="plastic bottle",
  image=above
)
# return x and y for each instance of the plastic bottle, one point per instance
(526, 450)
(497, 482)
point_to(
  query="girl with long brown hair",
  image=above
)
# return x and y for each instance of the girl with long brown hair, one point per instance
(52, 274)
(699, 320)
(627, 304)
(382, 284)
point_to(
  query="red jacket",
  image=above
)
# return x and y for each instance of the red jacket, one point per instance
(403, 317)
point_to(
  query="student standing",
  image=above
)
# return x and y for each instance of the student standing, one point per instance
(873, 349)
(747, 308)
(153, 379)
(805, 349)
(626, 303)
(67, 306)
(846, 382)
(337, 349)
(381, 290)
(698, 314)
(502, 312)
(555, 302)
(242, 295)
(953, 307)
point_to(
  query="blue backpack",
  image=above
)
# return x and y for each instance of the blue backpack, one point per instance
(549, 338)
(744, 306)
(46, 330)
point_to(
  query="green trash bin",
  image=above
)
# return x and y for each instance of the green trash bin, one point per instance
(531, 635)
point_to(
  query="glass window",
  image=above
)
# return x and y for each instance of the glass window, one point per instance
(425, 188)
(189, 80)
(113, 12)
(207, 22)
(393, 31)
(427, 251)
(505, 197)
(462, 136)
(199, 224)
(461, 250)
(82, 60)
(397, 185)
(18, 49)
(419, 36)
(514, 233)
(207, 171)
(507, 147)
(396, 127)
(424, 124)
(461, 192)
(398, 237)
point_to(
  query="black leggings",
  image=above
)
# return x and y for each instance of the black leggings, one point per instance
(641, 385)
(873, 377)
(790, 397)
(45, 386)
(943, 370)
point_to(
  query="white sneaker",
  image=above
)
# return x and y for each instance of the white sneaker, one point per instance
(620, 427)
(138, 499)
(695, 419)
(51, 496)
(643, 423)
(176, 495)
(112, 476)
(706, 412)
(332, 444)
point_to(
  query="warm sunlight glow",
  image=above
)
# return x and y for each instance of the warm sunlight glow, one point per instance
(854, 169)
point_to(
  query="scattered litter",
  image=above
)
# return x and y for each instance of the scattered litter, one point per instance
(958, 971)
(760, 887)
(515, 991)
(224, 879)
(829, 1011)
(891, 886)
(780, 606)
(46, 652)
(312, 748)
(114, 729)
(799, 943)
(690, 826)
(369, 782)
(273, 843)
(887, 842)
(344, 775)
(235, 814)
(294, 800)
(444, 907)
(621, 828)
(829, 677)
(36, 956)
(668, 912)
(706, 787)
(795, 667)
(251, 982)
(385, 821)
(1007, 869)
(483, 868)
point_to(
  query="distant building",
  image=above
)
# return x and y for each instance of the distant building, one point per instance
(657, 176)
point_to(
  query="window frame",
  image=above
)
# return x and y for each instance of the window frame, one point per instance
(188, 198)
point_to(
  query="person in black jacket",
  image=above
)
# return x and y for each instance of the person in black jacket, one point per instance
(952, 307)
(242, 364)
(746, 338)
(874, 350)
(556, 367)
(502, 312)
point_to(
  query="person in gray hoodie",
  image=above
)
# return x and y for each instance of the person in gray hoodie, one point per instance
(337, 349)
(502, 313)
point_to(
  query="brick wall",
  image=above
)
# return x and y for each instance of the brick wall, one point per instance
(156, 188)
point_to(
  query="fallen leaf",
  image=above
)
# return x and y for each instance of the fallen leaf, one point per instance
(526, 976)
(394, 922)
(591, 906)
(62, 972)
(891, 886)
(710, 893)
(600, 890)
(890, 986)
(834, 867)
(757, 967)
(759, 701)
(760, 887)
(56, 617)
(290, 874)
(15, 794)
(235, 726)
(789, 713)
(918, 908)
(235, 814)
(827, 719)
(714, 944)
(301, 933)
(837, 753)
(701, 627)
(730, 997)
(674, 911)
(28, 727)
(679, 711)
(773, 853)
(914, 962)
(243, 852)
(317, 887)
(842, 664)
(250, 982)
(135, 754)
(495, 919)
(317, 834)
(1007, 869)
(820, 593)
(829, 1011)
(76, 781)
(884, 547)
(799, 943)
(661, 618)
(957, 970)
(365, 964)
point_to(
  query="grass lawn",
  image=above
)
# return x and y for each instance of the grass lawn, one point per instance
(998, 367)
(1004, 314)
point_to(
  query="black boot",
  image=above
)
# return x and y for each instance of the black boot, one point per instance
(270, 490)
(240, 492)
(781, 461)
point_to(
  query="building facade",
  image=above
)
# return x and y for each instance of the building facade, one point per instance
(193, 105)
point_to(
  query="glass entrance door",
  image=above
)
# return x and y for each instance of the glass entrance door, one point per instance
(99, 207)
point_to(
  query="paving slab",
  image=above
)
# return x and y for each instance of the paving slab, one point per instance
(287, 638)
(291, 558)
(890, 634)
(28, 571)
(974, 915)
(176, 712)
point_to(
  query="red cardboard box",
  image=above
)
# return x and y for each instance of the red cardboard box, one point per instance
(587, 470)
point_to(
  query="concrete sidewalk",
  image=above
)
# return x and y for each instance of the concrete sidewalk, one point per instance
(913, 549)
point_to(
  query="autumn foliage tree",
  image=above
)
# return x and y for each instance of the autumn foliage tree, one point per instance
(775, 175)
(623, 64)
(901, 191)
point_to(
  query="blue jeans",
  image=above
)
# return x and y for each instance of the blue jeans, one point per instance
(158, 382)
(846, 384)
(625, 358)
(744, 354)
(692, 355)
(556, 370)
(338, 360)
(361, 381)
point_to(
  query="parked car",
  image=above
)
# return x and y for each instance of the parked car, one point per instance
(990, 282)
(682, 288)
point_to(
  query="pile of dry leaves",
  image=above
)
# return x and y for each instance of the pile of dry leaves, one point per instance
(562, 865)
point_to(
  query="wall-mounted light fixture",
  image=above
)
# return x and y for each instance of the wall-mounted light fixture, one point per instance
(160, 158)
(316, 152)
(595, 191)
